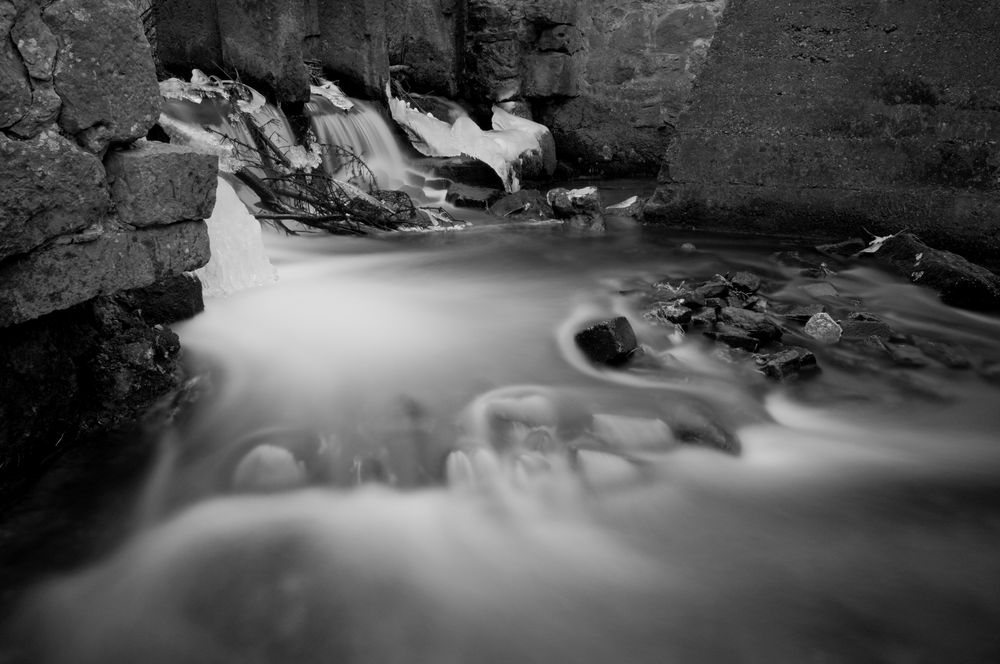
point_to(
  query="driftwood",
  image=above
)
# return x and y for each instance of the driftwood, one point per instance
(312, 199)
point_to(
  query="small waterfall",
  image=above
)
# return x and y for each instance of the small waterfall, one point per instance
(365, 132)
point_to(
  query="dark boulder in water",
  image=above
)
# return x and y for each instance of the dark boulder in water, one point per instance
(787, 363)
(608, 342)
(960, 282)
(464, 195)
(524, 204)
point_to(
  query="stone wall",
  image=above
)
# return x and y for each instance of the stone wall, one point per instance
(89, 213)
(828, 118)
(609, 78)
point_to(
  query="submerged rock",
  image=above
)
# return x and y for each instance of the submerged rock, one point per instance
(787, 363)
(609, 342)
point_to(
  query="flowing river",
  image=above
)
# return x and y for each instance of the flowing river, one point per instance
(311, 505)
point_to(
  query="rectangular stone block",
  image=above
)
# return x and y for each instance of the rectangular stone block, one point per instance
(154, 184)
(61, 275)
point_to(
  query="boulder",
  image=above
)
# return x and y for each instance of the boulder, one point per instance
(104, 71)
(61, 275)
(524, 204)
(36, 44)
(567, 203)
(153, 184)
(174, 298)
(551, 75)
(753, 323)
(609, 342)
(959, 282)
(51, 188)
(464, 195)
(44, 109)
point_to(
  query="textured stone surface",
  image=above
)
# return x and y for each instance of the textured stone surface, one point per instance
(608, 342)
(36, 43)
(187, 35)
(828, 118)
(351, 43)
(262, 40)
(15, 93)
(62, 275)
(104, 73)
(44, 110)
(153, 184)
(422, 40)
(50, 187)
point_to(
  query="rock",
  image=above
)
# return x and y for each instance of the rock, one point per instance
(50, 188)
(36, 43)
(734, 336)
(823, 328)
(630, 207)
(246, 26)
(567, 203)
(905, 356)
(798, 312)
(349, 39)
(421, 34)
(561, 38)
(524, 204)
(860, 325)
(688, 248)
(694, 424)
(153, 184)
(15, 92)
(44, 109)
(717, 287)
(268, 468)
(705, 318)
(787, 363)
(949, 356)
(672, 313)
(61, 275)
(608, 342)
(632, 433)
(959, 282)
(463, 195)
(753, 323)
(104, 71)
(821, 290)
(745, 282)
(551, 75)
(172, 299)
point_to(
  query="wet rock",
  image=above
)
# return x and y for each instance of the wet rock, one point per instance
(745, 282)
(860, 325)
(104, 71)
(50, 188)
(821, 290)
(959, 282)
(567, 203)
(704, 318)
(949, 356)
(798, 312)
(695, 425)
(673, 313)
(608, 342)
(717, 287)
(268, 468)
(823, 328)
(753, 323)
(630, 207)
(905, 356)
(688, 248)
(64, 274)
(735, 337)
(153, 184)
(464, 195)
(524, 204)
(787, 363)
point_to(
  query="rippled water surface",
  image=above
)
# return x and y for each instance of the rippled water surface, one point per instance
(311, 507)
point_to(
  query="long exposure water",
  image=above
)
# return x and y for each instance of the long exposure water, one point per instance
(309, 506)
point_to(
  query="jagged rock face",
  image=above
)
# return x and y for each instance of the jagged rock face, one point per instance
(841, 117)
(610, 79)
(350, 41)
(77, 84)
(422, 39)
